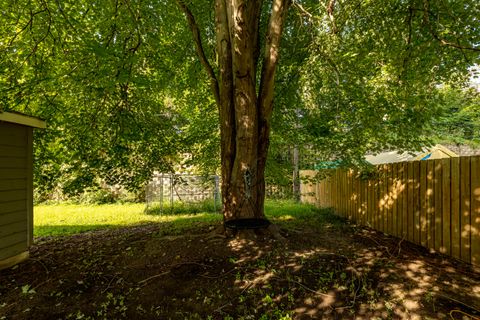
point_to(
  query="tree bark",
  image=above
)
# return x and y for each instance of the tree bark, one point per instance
(245, 105)
(245, 139)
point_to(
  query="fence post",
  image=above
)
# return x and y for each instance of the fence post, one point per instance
(475, 228)
(437, 192)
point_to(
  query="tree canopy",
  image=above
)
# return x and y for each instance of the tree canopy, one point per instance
(124, 92)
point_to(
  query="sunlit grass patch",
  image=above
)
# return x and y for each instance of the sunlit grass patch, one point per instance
(289, 213)
(65, 219)
(278, 208)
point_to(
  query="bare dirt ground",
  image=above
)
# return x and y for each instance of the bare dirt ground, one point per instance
(326, 269)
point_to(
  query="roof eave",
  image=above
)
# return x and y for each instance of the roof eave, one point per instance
(23, 120)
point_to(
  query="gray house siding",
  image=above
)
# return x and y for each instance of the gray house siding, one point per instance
(16, 189)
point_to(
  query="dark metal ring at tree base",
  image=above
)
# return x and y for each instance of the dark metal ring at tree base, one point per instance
(248, 223)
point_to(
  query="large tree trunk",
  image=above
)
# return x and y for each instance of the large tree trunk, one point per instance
(244, 113)
(245, 104)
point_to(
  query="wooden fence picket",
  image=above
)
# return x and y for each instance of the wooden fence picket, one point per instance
(446, 208)
(437, 211)
(475, 210)
(465, 209)
(455, 206)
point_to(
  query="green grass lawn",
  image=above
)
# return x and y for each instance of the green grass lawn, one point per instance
(67, 219)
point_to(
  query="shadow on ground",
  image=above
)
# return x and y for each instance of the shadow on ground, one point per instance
(326, 269)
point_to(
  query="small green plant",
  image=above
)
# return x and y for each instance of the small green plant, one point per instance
(267, 299)
(238, 276)
(389, 307)
(430, 298)
(261, 264)
(27, 290)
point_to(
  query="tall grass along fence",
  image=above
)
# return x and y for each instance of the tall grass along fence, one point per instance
(433, 203)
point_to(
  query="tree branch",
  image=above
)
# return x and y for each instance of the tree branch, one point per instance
(330, 10)
(28, 24)
(59, 5)
(426, 20)
(256, 40)
(136, 21)
(408, 46)
(451, 44)
(199, 48)
(303, 11)
(270, 59)
(266, 91)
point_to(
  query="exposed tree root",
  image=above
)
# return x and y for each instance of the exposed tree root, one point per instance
(218, 232)
(271, 232)
(274, 230)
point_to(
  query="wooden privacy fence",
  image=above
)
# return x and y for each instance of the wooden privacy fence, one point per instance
(433, 203)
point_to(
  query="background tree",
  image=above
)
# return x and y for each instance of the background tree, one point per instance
(458, 120)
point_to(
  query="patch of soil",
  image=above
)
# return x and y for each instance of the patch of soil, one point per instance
(324, 271)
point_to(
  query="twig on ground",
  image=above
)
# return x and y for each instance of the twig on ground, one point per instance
(457, 301)
(219, 309)
(355, 293)
(343, 308)
(216, 236)
(152, 277)
(43, 265)
(108, 286)
(400, 245)
(40, 284)
(144, 282)
(186, 263)
(472, 317)
(381, 245)
(306, 288)
(219, 276)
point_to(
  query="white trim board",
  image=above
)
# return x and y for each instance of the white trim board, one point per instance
(10, 262)
(22, 119)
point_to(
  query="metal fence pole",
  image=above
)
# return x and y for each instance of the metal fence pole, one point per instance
(161, 193)
(217, 191)
(171, 192)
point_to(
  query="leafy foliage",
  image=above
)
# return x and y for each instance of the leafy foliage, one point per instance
(459, 119)
(103, 75)
(372, 73)
(123, 93)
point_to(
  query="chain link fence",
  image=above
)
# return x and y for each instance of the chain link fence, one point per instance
(165, 190)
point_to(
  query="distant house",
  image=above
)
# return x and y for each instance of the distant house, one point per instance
(464, 150)
(436, 152)
(16, 186)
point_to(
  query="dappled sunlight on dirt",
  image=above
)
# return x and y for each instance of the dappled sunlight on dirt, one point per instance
(421, 281)
(326, 269)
